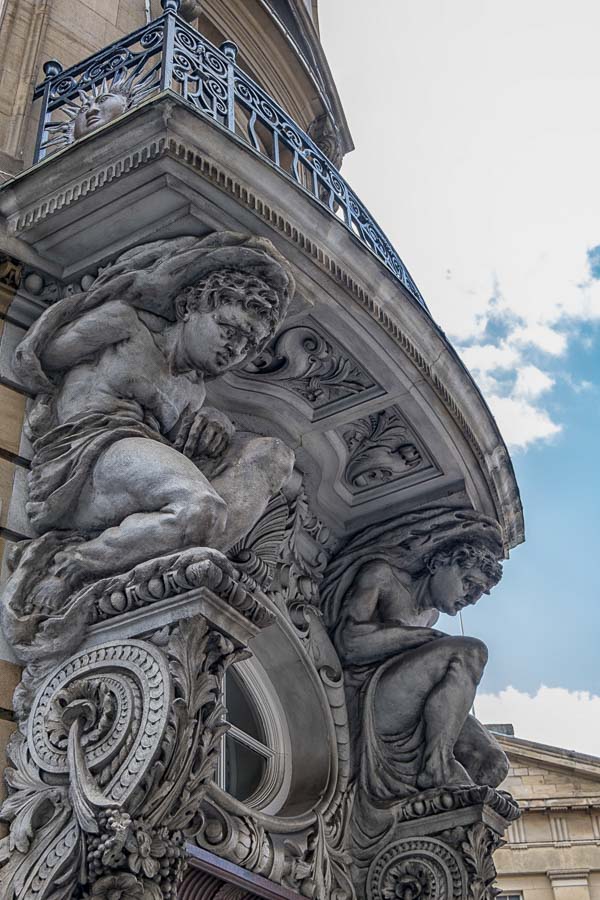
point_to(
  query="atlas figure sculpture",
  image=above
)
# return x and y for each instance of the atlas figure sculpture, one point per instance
(410, 687)
(129, 464)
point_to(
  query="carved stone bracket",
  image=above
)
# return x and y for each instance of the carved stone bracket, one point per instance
(110, 768)
(430, 861)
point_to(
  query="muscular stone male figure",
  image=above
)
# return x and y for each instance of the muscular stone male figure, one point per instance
(123, 442)
(410, 687)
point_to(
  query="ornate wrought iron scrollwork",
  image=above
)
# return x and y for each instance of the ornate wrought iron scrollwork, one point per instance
(168, 54)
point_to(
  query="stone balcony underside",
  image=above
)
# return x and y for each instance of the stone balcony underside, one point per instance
(393, 422)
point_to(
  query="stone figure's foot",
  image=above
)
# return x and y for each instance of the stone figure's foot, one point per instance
(442, 770)
(49, 595)
(71, 566)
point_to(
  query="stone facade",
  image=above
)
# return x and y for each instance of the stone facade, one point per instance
(244, 472)
(553, 850)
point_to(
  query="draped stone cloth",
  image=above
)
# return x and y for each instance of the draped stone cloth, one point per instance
(63, 459)
(385, 768)
(389, 764)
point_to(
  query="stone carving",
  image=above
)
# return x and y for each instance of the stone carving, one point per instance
(258, 553)
(120, 745)
(455, 863)
(141, 495)
(40, 640)
(38, 284)
(305, 551)
(381, 449)
(409, 687)
(312, 366)
(326, 136)
(479, 845)
(417, 869)
(129, 464)
(100, 104)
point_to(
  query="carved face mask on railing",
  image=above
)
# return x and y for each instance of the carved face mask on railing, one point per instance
(99, 105)
(99, 111)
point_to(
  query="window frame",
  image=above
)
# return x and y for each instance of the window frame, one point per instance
(272, 791)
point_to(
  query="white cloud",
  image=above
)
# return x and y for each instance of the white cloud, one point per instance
(521, 422)
(555, 716)
(532, 382)
(496, 239)
(490, 358)
(547, 339)
(513, 400)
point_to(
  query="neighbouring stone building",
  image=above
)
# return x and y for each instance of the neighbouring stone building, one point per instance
(242, 471)
(553, 850)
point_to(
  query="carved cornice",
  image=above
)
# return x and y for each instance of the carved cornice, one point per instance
(173, 147)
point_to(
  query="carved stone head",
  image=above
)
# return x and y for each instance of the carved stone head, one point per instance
(459, 575)
(99, 110)
(225, 319)
(222, 296)
(452, 552)
(98, 105)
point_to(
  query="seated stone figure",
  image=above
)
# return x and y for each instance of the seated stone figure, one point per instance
(410, 687)
(129, 464)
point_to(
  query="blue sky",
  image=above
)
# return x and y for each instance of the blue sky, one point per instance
(477, 131)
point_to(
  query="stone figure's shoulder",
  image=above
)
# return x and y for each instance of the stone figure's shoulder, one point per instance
(377, 572)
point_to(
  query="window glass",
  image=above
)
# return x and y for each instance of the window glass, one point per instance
(245, 768)
(241, 711)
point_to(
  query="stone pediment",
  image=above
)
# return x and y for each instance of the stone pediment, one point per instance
(546, 776)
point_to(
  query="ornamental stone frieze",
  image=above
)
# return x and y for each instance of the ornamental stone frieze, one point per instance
(258, 474)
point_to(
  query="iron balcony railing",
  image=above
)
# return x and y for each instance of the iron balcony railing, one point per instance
(170, 55)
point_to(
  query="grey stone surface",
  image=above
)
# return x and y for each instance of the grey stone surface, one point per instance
(355, 356)
(161, 171)
(410, 687)
(129, 464)
(117, 752)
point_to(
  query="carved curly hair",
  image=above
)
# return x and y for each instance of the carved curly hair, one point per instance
(468, 556)
(233, 286)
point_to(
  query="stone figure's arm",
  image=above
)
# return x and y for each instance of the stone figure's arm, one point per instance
(364, 638)
(204, 432)
(80, 340)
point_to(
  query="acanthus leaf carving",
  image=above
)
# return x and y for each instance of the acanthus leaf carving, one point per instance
(313, 366)
(478, 849)
(381, 448)
(121, 743)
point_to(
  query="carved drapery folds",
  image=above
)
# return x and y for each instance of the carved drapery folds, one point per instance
(137, 490)
(165, 539)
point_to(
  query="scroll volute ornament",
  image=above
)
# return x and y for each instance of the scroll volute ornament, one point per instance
(121, 744)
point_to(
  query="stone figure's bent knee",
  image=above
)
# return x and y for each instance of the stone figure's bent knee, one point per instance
(272, 458)
(470, 652)
(200, 518)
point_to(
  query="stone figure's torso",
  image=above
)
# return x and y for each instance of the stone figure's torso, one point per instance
(397, 600)
(104, 384)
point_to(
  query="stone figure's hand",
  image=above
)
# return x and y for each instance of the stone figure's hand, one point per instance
(434, 634)
(209, 435)
(429, 634)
